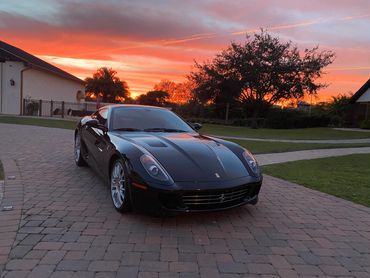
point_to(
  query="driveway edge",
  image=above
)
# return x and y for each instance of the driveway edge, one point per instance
(10, 209)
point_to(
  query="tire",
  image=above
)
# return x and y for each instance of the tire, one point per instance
(119, 187)
(78, 156)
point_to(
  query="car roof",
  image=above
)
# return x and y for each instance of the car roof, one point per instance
(112, 106)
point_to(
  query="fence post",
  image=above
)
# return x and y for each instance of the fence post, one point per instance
(40, 108)
(51, 108)
(24, 107)
(62, 109)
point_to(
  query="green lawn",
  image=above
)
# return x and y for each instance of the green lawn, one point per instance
(255, 147)
(259, 147)
(347, 177)
(1, 171)
(58, 123)
(299, 133)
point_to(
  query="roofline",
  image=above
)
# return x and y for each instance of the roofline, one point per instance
(33, 65)
(360, 92)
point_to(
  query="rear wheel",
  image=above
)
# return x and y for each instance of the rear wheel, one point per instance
(79, 160)
(119, 186)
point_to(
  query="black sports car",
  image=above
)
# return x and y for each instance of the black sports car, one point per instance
(155, 160)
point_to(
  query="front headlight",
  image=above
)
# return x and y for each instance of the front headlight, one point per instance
(153, 168)
(252, 163)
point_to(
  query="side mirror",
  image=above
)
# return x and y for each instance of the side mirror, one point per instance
(95, 123)
(197, 126)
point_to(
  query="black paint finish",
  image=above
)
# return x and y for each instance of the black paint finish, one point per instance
(202, 167)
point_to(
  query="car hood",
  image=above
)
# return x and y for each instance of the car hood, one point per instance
(190, 157)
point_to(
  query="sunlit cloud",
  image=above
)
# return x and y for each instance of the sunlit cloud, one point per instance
(348, 68)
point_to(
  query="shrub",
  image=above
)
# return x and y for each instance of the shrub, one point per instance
(289, 118)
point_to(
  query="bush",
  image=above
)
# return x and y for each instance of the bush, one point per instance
(289, 118)
(365, 124)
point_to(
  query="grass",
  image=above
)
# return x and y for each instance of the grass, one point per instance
(1, 171)
(58, 123)
(259, 147)
(256, 147)
(299, 133)
(302, 133)
(347, 177)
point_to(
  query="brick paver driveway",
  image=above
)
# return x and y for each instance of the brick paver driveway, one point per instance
(63, 225)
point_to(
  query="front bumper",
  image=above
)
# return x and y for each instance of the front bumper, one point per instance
(194, 197)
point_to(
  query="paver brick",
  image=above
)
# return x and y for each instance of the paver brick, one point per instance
(21, 264)
(44, 245)
(169, 254)
(41, 271)
(53, 257)
(183, 267)
(73, 265)
(104, 266)
(231, 267)
(153, 266)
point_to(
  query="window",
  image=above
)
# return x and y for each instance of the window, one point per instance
(146, 118)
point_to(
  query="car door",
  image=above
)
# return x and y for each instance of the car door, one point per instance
(94, 137)
(102, 141)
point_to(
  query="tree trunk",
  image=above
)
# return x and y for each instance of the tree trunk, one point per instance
(227, 112)
(256, 110)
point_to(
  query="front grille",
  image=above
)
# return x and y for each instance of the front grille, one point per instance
(216, 198)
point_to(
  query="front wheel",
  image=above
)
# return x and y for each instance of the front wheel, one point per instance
(79, 160)
(119, 187)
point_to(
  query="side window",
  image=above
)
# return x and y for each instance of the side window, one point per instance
(102, 115)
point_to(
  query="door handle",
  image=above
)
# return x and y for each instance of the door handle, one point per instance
(97, 144)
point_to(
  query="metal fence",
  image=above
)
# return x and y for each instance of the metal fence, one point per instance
(61, 109)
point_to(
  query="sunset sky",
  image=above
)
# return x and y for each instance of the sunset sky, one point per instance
(146, 41)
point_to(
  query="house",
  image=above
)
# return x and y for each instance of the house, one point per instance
(24, 76)
(303, 106)
(361, 103)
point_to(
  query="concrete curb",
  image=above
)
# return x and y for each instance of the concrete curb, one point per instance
(274, 158)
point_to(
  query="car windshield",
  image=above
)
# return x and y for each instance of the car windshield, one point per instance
(147, 119)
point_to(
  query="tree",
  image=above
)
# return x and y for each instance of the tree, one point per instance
(262, 71)
(106, 83)
(155, 98)
(179, 93)
(339, 109)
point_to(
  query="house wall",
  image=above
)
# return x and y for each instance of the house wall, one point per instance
(38, 84)
(365, 97)
(10, 100)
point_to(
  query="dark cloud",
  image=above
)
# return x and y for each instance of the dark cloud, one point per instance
(127, 21)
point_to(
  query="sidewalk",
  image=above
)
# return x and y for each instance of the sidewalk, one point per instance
(273, 158)
(339, 141)
(352, 129)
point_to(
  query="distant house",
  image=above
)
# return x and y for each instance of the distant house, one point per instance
(361, 103)
(23, 75)
(303, 106)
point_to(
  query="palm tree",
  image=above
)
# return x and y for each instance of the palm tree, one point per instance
(106, 83)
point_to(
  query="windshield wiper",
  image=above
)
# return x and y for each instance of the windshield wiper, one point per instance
(127, 129)
(160, 129)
